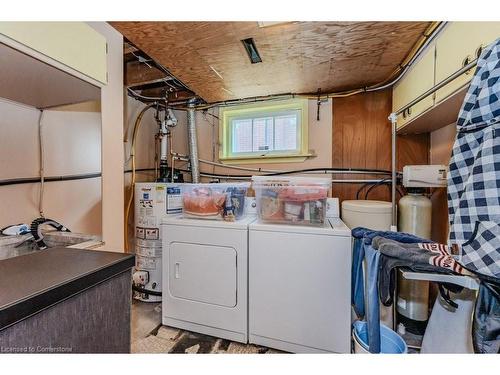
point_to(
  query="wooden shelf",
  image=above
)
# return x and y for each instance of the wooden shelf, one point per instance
(32, 82)
(438, 116)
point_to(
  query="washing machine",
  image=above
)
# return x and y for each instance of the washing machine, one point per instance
(205, 276)
(300, 287)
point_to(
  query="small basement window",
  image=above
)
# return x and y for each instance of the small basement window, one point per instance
(274, 131)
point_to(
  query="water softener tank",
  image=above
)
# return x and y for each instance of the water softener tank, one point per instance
(414, 216)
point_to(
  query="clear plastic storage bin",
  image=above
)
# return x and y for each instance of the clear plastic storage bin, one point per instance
(291, 200)
(224, 201)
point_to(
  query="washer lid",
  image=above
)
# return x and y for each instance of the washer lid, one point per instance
(206, 223)
(367, 206)
(339, 227)
(332, 227)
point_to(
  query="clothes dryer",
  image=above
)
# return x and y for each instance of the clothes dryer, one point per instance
(205, 276)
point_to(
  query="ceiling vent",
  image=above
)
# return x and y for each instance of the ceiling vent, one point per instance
(251, 49)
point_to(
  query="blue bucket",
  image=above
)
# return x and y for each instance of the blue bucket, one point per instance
(390, 341)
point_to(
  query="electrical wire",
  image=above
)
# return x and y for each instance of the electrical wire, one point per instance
(386, 181)
(361, 189)
(158, 66)
(381, 182)
(33, 180)
(248, 176)
(393, 78)
(146, 291)
(205, 112)
(42, 164)
(308, 170)
(426, 38)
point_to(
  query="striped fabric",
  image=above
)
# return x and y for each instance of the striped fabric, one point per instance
(443, 258)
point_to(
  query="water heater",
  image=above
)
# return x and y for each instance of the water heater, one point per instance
(153, 201)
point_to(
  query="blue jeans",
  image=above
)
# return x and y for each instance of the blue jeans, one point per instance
(362, 249)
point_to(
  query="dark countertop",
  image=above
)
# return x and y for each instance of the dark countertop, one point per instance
(33, 282)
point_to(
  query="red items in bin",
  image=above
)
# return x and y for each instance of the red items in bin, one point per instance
(291, 200)
(214, 201)
(203, 202)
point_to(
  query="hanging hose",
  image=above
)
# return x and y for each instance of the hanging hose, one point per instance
(386, 181)
(381, 182)
(132, 182)
(36, 230)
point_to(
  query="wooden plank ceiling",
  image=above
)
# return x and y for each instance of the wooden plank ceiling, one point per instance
(297, 57)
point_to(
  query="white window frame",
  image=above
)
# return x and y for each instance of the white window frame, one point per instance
(264, 109)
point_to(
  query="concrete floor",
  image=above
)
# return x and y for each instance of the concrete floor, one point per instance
(146, 317)
(150, 336)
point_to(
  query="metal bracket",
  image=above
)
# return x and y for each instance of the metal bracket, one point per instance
(319, 103)
(393, 117)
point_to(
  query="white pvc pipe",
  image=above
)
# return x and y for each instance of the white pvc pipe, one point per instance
(163, 142)
(163, 148)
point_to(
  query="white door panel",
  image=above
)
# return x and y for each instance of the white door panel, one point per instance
(203, 273)
(299, 289)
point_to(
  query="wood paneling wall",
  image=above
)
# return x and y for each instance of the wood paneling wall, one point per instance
(440, 152)
(362, 139)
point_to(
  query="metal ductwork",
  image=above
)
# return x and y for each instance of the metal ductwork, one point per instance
(193, 142)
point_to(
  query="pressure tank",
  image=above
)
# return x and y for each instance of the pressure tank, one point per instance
(414, 213)
(414, 216)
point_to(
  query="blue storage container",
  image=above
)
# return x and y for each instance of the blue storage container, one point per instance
(390, 341)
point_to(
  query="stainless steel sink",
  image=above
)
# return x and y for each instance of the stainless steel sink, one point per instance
(13, 246)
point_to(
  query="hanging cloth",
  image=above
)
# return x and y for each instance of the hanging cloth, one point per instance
(474, 170)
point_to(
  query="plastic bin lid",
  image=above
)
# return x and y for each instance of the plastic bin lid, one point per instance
(367, 206)
(216, 184)
(291, 180)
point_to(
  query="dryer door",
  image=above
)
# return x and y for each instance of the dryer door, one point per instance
(203, 273)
